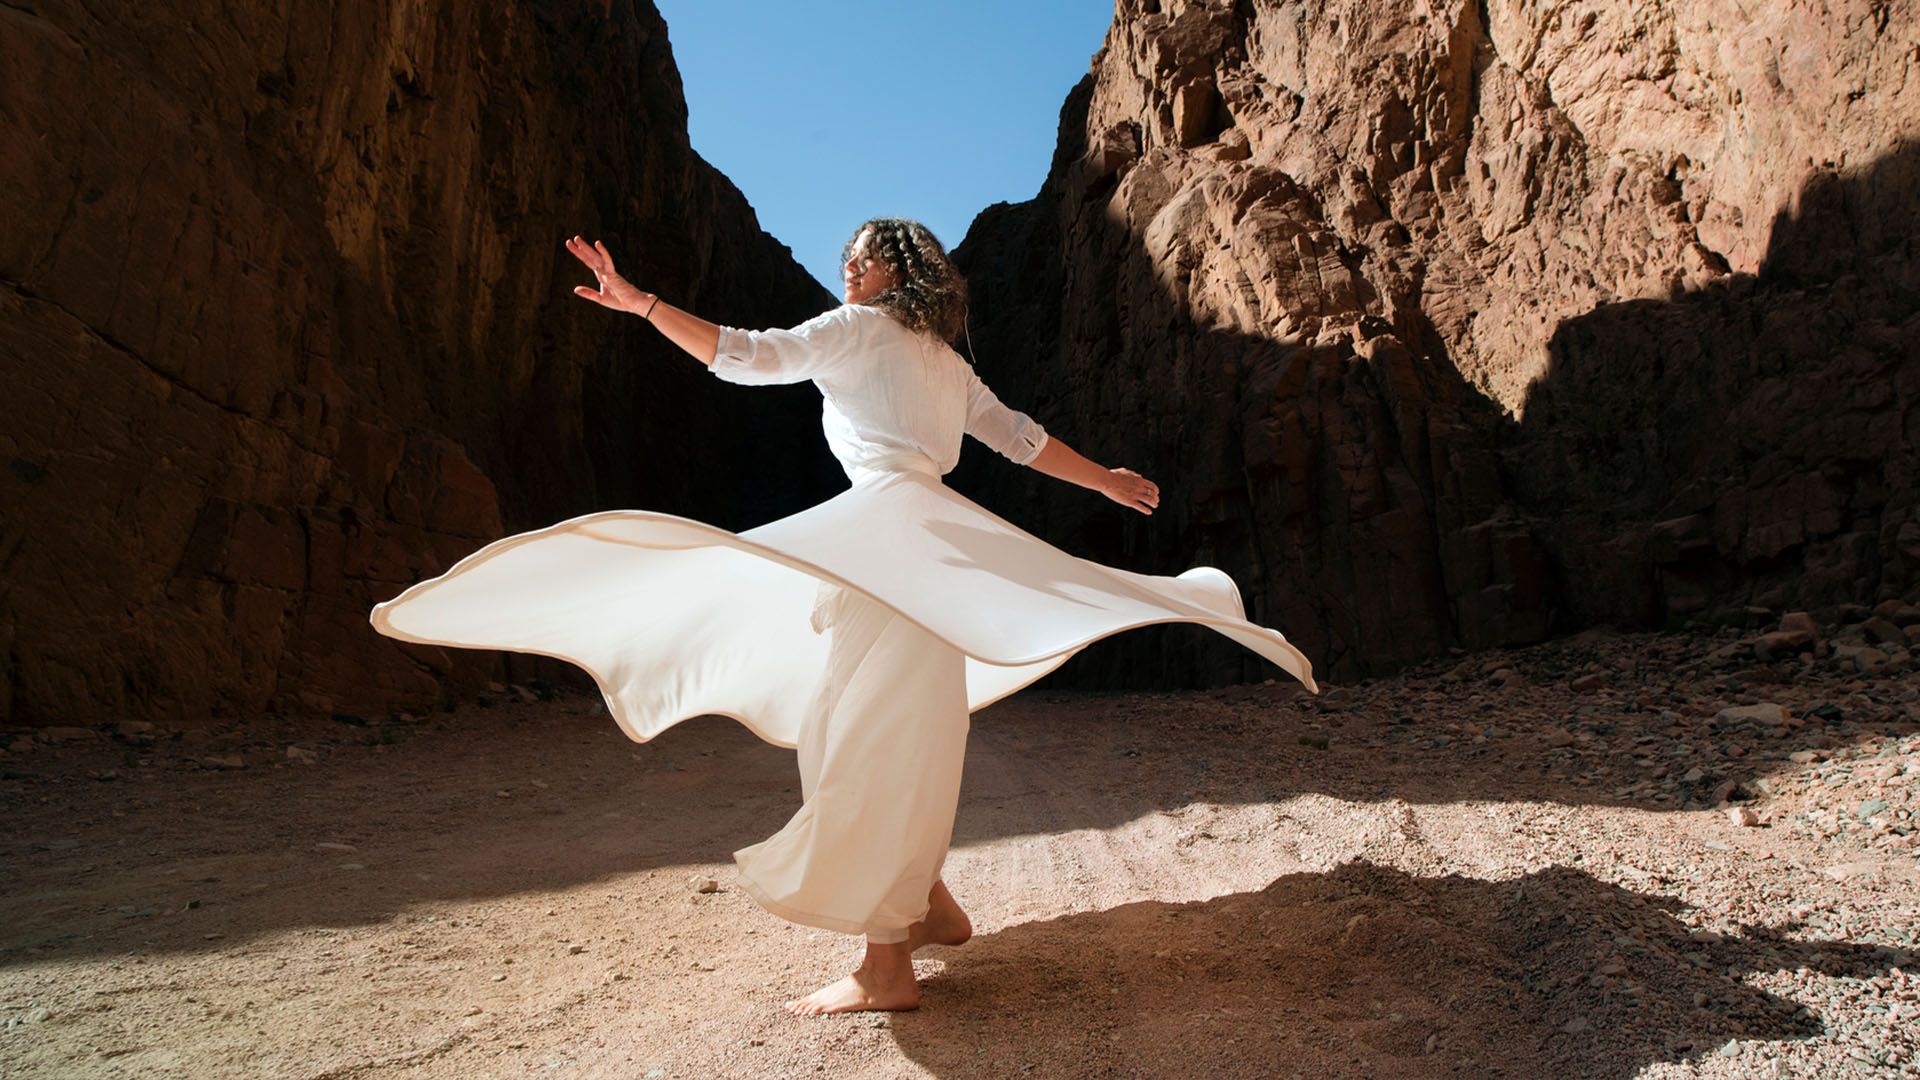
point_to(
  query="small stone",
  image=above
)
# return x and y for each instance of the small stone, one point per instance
(127, 728)
(1743, 817)
(66, 734)
(1804, 757)
(1694, 775)
(1882, 632)
(501, 977)
(224, 761)
(1861, 658)
(576, 949)
(1766, 714)
(705, 885)
(1557, 737)
(525, 695)
(1575, 1026)
(353, 866)
(331, 847)
(1781, 643)
(301, 754)
(1586, 683)
(1872, 808)
(1799, 622)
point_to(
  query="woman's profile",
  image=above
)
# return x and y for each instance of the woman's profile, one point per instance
(861, 632)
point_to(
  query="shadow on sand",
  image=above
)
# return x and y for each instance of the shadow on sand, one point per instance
(1365, 972)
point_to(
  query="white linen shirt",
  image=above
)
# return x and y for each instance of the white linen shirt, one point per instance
(885, 389)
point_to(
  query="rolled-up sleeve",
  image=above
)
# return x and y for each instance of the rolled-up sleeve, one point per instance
(765, 357)
(1012, 433)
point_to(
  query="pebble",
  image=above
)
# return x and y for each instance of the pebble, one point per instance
(1765, 713)
(333, 847)
(1745, 817)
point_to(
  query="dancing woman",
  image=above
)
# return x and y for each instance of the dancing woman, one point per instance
(862, 631)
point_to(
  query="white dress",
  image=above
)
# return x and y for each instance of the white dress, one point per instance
(860, 631)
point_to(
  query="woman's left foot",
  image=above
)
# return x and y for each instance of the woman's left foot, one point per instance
(884, 981)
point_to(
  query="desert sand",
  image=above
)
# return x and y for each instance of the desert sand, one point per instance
(1600, 857)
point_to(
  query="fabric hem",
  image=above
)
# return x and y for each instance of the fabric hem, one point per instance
(805, 918)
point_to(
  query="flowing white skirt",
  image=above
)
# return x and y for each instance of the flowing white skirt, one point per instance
(880, 760)
(861, 631)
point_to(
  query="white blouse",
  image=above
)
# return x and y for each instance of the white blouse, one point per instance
(886, 389)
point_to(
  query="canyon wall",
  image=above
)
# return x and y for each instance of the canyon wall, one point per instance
(1451, 325)
(287, 326)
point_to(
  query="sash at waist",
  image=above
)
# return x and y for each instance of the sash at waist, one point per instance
(899, 461)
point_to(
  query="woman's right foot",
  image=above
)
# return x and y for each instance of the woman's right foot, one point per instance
(945, 924)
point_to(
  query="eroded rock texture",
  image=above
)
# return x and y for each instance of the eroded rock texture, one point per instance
(286, 326)
(1455, 324)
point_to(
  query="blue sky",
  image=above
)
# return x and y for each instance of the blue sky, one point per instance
(829, 113)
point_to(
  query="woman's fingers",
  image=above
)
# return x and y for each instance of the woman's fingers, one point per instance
(586, 254)
(581, 252)
(594, 295)
(605, 255)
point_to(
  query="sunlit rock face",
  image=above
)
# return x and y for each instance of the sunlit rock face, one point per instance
(287, 325)
(1449, 325)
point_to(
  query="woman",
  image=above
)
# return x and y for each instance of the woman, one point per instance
(862, 631)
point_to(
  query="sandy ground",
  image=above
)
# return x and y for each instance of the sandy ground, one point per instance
(1471, 869)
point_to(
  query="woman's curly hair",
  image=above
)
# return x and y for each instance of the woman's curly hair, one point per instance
(932, 294)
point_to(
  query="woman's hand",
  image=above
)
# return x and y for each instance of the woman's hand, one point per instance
(1129, 488)
(615, 291)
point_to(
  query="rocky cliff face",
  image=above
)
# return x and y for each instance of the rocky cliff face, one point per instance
(1457, 324)
(286, 326)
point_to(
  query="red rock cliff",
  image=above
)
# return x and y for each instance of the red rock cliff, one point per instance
(286, 326)
(1459, 324)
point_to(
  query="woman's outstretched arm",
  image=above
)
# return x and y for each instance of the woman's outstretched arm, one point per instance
(700, 338)
(1124, 486)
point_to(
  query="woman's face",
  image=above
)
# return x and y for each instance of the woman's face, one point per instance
(865, 277)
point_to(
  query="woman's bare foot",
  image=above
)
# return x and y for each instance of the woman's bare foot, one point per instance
(945, 923)
(884, 980)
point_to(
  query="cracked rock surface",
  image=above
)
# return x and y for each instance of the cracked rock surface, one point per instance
(1463, 324)
(287, 325)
